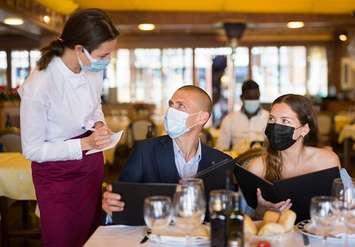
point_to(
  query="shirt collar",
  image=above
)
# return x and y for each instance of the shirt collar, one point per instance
(77, 79)
(197, 155)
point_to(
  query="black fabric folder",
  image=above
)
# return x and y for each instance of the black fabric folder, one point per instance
(133, 195)
(215, 176)
(299, 189)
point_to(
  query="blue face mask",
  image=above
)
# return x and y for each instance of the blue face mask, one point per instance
(251, 106)
(96, 65)
(175, 122)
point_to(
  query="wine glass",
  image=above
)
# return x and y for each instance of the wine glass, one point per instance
(157, 212)
(344, 200)
(321, 212)
(189, 205)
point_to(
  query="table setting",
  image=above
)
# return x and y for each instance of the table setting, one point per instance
(179, 221)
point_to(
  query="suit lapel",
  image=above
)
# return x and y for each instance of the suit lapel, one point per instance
(205, 161)
(166, 161)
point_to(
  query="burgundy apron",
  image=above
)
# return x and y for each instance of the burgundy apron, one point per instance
(69, 199)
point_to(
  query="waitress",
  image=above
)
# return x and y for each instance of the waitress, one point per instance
(60, 101)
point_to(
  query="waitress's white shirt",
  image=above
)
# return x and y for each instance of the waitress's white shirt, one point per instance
(56, 105)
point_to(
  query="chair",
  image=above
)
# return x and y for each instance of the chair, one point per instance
(11, 142)
(325, 128)
(140, 130)
(250, 154)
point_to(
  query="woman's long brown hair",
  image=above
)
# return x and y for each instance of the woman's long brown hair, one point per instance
(303, 108)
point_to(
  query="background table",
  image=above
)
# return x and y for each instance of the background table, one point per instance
(16, 177)
(130, 236)
(15, 184)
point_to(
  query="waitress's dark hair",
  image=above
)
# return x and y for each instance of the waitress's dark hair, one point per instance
(88, 27)
(303, 108)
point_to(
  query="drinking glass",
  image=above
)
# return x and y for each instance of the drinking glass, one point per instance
(157, 212)
(189, 205)
(322, 216)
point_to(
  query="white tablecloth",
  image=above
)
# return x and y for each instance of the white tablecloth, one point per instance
(130, 236)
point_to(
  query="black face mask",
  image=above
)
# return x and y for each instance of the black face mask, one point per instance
(279, 136)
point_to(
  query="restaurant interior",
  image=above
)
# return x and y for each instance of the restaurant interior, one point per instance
(304, 47)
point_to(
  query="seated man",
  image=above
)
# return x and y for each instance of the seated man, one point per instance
(240, 129)
(180, 154)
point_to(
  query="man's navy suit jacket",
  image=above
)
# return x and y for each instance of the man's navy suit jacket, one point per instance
(153, 161)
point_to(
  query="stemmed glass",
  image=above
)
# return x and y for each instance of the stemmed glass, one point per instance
(157, 212)
(322, 213)
(343, 204)
(189, 205)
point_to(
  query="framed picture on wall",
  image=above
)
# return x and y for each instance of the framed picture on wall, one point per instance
(346, 74)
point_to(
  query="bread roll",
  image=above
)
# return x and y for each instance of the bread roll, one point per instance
(270, 229)
(271, 216)
(287, 219)
(249, 225)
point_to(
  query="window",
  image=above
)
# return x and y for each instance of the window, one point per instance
(177, 71)
(20, 67)
(152, 75)
(290, 69)
(317, 81)
(265, 71)
(34, 56)
(3, 67)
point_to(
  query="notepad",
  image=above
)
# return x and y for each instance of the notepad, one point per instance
(299, 189)
(115, 138)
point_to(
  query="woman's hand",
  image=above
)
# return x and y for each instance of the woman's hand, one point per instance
(98, 139)
(264, 205)
(111, 202)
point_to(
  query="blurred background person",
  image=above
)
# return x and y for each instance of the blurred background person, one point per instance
(240, 129)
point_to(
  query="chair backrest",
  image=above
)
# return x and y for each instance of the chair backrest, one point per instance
(11, 142)
(325, 123)
(140, 130)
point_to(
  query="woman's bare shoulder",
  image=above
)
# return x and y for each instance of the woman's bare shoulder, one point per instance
(256, 166)
(323, 157)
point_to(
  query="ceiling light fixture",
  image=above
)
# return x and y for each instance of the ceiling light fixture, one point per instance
(295, 24)
(146, 27)
(13, 21)
(343, 37)
(46, 19)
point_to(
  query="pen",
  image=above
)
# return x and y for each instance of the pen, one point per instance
(90, 129)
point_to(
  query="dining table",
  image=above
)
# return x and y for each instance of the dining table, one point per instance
(132, 236)
(15, 185)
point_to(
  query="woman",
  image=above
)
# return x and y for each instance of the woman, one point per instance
(60, 101)
(292, 136)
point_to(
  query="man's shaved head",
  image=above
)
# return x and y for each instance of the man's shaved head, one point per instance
(200, 96)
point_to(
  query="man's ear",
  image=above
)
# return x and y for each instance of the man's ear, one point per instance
(203, 117)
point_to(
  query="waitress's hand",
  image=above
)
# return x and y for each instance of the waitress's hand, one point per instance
(111, 202)
(264, 205)
(98, 139)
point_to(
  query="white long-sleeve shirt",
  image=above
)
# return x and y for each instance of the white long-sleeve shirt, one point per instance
(56, 105)
(239, 131)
